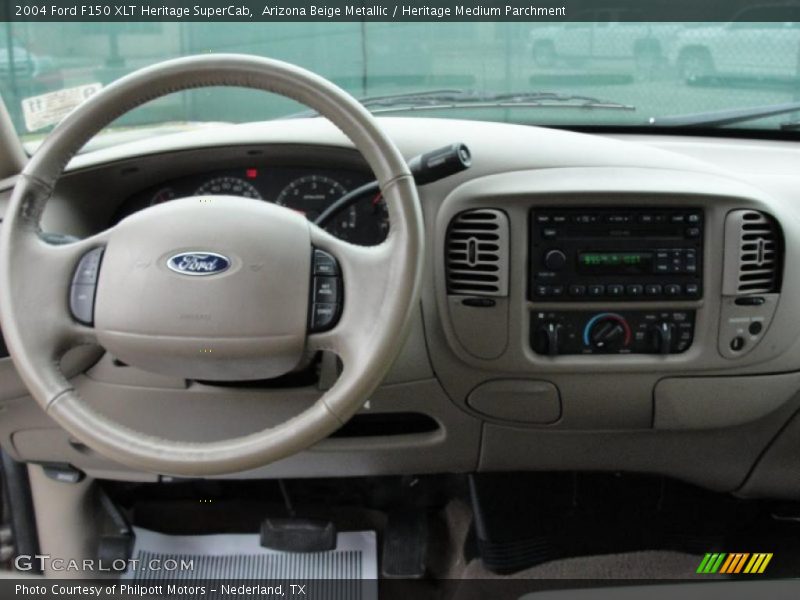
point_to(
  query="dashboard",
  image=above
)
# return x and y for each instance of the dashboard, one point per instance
(307, 190)
(589, 302)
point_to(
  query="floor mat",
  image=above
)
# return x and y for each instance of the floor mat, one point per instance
(629, 565)
(240, 556)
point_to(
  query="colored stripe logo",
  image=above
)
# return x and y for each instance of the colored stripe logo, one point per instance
(734, 563)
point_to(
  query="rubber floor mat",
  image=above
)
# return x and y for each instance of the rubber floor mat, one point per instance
(175, 559)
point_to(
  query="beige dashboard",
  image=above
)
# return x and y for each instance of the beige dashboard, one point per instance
(469, 391)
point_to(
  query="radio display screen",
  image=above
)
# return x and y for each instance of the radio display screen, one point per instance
(617, 263)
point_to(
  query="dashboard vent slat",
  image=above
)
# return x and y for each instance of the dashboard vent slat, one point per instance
(753, 253)
(476, 253)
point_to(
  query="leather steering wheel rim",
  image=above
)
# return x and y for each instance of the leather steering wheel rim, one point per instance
(35, 276)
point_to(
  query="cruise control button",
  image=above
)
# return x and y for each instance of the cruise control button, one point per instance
(324, 263)
(88, 268)
(81, 302)
(323, 315)
(326, 289)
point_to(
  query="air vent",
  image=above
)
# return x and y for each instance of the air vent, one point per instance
(477, 253)
(753, 253)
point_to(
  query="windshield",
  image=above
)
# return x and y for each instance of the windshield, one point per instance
(630, 73)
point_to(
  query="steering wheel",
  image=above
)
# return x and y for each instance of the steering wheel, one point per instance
(209, 287)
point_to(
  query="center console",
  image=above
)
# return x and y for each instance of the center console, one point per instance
(606, 256)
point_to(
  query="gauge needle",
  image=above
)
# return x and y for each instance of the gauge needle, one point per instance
(377, 199)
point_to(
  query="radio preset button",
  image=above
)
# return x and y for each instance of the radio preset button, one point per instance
(597, 289)
(542, 290)
(653, 289)
(577, 290)
(672, 289)
(615, 289)
(634, 289)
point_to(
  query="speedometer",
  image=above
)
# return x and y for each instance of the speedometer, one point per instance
(228, 186)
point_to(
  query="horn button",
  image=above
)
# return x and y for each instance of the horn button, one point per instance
(211, 287)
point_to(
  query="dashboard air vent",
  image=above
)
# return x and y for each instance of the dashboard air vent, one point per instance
(753, 253)
(477, 253)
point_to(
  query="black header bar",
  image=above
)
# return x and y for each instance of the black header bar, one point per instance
(387, 11)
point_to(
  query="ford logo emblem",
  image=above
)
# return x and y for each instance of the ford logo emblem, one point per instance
(198, 263)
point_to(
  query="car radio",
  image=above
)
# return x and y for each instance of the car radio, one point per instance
(615, 254)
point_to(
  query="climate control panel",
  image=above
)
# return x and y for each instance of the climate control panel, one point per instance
(556, 333)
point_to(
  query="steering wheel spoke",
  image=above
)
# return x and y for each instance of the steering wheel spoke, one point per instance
(362, 283)
(40, 297)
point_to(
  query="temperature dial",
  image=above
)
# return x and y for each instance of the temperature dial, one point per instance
(607, 332)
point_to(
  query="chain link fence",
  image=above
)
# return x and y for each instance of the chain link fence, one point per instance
(659, 68)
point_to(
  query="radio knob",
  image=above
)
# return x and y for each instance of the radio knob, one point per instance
(555, 260)
(607, 332)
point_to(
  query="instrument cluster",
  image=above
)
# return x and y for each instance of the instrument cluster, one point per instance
(306, 190)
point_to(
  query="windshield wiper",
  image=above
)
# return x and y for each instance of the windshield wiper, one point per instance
(473, 99)
(721, 118)
(450, 99)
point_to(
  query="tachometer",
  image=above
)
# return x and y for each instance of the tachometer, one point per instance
(366, 222)
(228, 186)
(311, 195)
